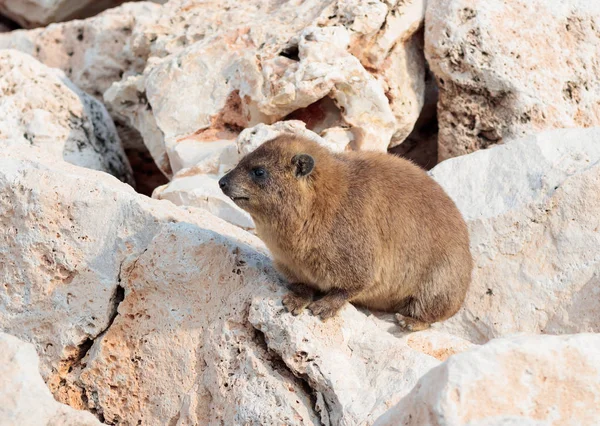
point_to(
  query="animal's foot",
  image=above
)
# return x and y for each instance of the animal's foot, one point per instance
(411, 324)
(295, 303)
(323, 309)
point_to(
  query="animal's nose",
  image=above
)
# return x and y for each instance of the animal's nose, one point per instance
(223, 183)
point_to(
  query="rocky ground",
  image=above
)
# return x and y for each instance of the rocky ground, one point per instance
(134, 293)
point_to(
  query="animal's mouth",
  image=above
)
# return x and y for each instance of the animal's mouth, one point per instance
(240, 198)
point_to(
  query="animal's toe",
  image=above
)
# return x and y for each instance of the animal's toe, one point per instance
(411, 324)
(403, 323)
(294, 304)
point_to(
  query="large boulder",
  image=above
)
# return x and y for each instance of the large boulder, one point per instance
(94, 52)
(532, 209)
(41, 108)
(507, 69)
(39, 13)
(525, 380)
(145, 312)
(343, 66)
(24, 398)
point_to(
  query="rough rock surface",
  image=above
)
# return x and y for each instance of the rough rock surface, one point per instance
(40, 107)
(142, 311)
(532, 209)
(507, 69)
(524, 380)
(260, 70)
(38, 13)
(94, 52)
(366, 58)
(200, 190)
(352, 365)
(24, 398)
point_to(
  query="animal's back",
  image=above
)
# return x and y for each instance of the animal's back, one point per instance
(414, 227)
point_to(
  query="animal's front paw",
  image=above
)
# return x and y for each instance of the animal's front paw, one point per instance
(294, 303)
(323, 309)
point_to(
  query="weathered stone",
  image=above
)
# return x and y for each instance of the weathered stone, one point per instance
(40, 107)
(39, 13)
(202, 190)
(524, 380)
(243, 64)
(507, 69)
(532, 209)
(351, 364)
(94, 52)
(253, 137)
(24, 398)
(256, 70)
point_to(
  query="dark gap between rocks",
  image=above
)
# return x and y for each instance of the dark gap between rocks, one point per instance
(280, 366)
(319, 115)
(146, 173)
(421, 145)
(290, 52)
(7, 25)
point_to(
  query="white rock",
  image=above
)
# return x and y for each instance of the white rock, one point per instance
(525, 380)
(94, 52)
(532, 209)
(352, 365)
(496, 86)
(257, 65)
(251, 138)
(39, 13)
(202, 190)
(40, 107)
(256, 70)
(140, 310)
(24, 398)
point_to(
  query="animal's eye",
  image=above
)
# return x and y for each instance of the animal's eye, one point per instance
(259, 172)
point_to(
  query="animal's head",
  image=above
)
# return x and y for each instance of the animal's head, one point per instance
(278, 175)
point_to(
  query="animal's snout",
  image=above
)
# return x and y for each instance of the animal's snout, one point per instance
(224, 183)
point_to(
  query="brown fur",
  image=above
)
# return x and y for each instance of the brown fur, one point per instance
(364, 227)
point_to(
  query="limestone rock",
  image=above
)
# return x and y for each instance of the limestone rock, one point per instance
(350, 362)
(257, 61)
(257, 70)
(507, 69)
(202, 190)
(127, 345)
(251, 138)
(39, 13)
(24, 398)
(94, 52)
(40, 107)
(524, 380)
(143, 311)
(532, 210)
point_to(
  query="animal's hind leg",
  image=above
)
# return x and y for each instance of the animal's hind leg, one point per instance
(410, 316)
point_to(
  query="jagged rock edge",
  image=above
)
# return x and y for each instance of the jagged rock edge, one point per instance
(304, 382)
(84, 347)
(320, 406)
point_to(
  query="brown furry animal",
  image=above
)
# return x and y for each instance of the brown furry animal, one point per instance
(365, 227)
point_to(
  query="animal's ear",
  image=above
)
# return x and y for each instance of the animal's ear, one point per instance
(304, 164)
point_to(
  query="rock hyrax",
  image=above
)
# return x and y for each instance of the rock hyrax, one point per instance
(362, 227)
